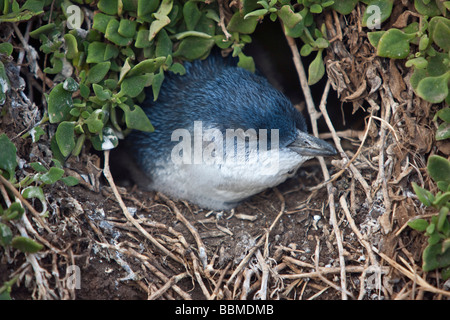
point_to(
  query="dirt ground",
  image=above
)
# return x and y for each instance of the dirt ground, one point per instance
(117, 262)
(302, 240)
(88, 219)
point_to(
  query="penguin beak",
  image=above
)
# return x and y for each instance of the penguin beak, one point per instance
(308, 145)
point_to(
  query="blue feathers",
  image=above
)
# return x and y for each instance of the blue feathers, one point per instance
(220, 96)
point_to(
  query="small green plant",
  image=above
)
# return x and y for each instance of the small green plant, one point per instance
(430, 58)
(32, 187)
(443, 131)
(5, 289)
(131, 44)
(437, 254)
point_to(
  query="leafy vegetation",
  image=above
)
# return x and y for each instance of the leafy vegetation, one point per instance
(32, 188)
(437, 254)
(132, 43)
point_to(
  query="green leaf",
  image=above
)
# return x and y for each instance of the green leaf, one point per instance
(443, 186)
(79, 143)
(193, 48)
(212, 14)
(417, 76)
(441, 35)
(111, 52)
(344, 6)
(163, 45)
(53, 175)
(101, 21)
(84, 90)
(424, 195)
(444, 114)
(71, 45)
(191, 14)
(36, 133)
(98, 72)
(14, 212)
(96, 52)
(59, 104)
(185, 34)
(37, 166)
(157, 25)
(439, 168)
(6, 48)
(109, 6)
(256, 13)
(70, 181)
(434, 89)
(443, 131)
(445, 272)
(145, 8)
(433, 257)
(5, 235)
(70, 85)
(241, 25)
(165, 7)
(113, 35)
(321, 43)
(432, 26)
(57, 65)
(142, 39)
(95, 121)
(246, 62)
(420, 63)
(437, 64)
(8, 152)
(385, 9)
(125, 69)
(57, 155)
(34, 192)
(249, 5)
(46, 28)
(306, 50)
(127, 28)
(424, 42)
(106, 141)
(133, 86)
(26, 245)
(289, 17)
(136, 118)
(206, 26)
(394, 44)
(442, 218)
(434, 236)
(4, 84)
(429, 257)
(33, 5)
(221, 42)
(101, 94)
(441, 199)
(156, 84)
(65, 137)
(177, 68)
(418, 224)
(316, 8)
(146, 66)
(296, 31)
(427, 8)
(316, 69)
